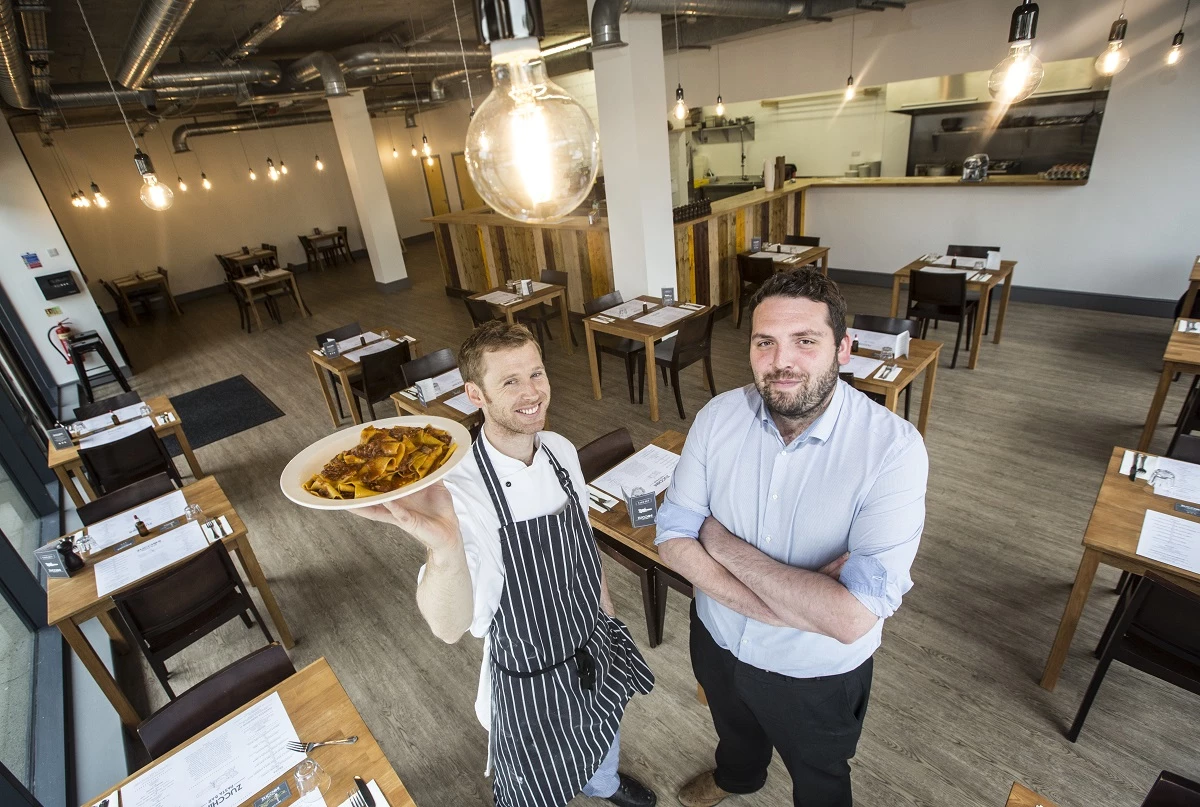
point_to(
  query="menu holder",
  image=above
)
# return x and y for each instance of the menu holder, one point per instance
(330, 349)
(642, 506)
(668, 295)
(59, 437)
(51, 561)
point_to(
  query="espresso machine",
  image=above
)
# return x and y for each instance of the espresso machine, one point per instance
(975, 168)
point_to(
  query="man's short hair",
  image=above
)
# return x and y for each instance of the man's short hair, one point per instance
(487, 338)
(810, 284)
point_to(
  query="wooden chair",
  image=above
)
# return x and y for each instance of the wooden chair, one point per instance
(122, 306)
(272, 260)
(692, 343)
(233, 273)
(752, 273)
(895, 325)
(125, 498)
(627, 349)
(1158, 632)
(217, 696)
(382, 374)
(976, 253)
(175, 609)
(1173, 790)
(311, 256)
(802, 240)
(343, 243)
(130, 459)
(337, 335)
(430, 366)
(936, 295)
(109, 404)
(546, 313)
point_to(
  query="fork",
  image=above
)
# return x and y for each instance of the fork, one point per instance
(356, 799)
(306, 748)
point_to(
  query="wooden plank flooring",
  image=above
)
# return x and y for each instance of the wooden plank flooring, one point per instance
(1017, 449)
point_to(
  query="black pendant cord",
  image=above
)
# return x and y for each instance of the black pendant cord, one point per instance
(107, 77)
(852, 18)
(1183, 22)
(463, 51)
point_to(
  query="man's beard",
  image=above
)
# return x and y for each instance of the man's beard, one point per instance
(806, 400)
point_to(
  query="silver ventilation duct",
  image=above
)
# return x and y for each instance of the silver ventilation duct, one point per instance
(606, 14)
(15, 86)
(372, 59)
(157, 23)
(322, 65)
(97, 94)
(437, 87)
(193, 74)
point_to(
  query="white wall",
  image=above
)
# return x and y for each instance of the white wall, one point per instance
(27, 225)
(1132, 230)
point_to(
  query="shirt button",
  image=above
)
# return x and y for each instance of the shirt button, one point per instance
(745, 641)
(508, 484)
(774, 495)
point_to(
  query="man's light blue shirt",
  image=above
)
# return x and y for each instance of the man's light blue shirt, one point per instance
(853, 481)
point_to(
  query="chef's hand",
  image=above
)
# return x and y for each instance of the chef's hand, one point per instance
(427, 515)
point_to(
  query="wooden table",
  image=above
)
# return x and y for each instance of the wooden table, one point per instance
(1002, 275)
(1111, 538)
(797, 260)
(345, 369)
(318, 707)
(1021, 796)
(256, 255)
(1189, 299)
(635, 550)
(437, 408)
(546, 294)
(248, 284)
(71, 601)
(628, 329)
(127, 286)
(922, 357)
(331, 236)
(65, 461)
(1181, 356)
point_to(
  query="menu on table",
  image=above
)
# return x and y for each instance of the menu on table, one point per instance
(115, 433)
(500, 298)
(861, 366)
(463, 404)
(649, 469)
(143, 560)
(447, 381)
(115, 529)
(1171, 540)
(629, 309)
(375, 347)
(663, 316)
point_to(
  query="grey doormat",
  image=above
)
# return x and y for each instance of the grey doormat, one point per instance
(219, 410)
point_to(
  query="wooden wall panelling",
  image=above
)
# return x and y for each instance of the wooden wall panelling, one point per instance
(609, 281)
(498, 260)
(491, 276)
(741, 237)
(762, 221)
(778, 219)
(539, 251)
(520, 252)
(468, 253)
(685, 279)
(731, 240)
(714, 260)
(441, 234)
(801, 210)
(595, 243)
(701, 263)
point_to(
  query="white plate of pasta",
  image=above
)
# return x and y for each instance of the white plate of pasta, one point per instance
(374, 462)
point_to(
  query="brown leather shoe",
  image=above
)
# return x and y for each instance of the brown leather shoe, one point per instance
(702, 791)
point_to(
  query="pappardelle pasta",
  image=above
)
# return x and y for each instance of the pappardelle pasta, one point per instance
(383, 460)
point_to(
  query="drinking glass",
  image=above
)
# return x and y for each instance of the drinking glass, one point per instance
(311, 778)
(384, 333)
(978, 265)
(144, 410)
(193, 512)
(887, 354)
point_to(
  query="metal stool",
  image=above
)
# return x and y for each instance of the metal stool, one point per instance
(81, 344)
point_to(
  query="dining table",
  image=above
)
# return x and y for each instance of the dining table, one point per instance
(272, 277)
(252, 257)
(508, 304)
(1021, 796)
(130, 285)
(1181, 355)
(922, 358)
(407, 403)
(347, 365)
(1189, 298)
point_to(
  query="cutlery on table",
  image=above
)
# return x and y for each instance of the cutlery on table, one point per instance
(1133, 467)
(364, 792)
(306, 748)
(1142, 465)
(356, 799)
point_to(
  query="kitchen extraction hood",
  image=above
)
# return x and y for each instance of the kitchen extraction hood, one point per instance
(1063, 80)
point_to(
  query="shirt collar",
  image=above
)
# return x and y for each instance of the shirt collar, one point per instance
(821, 428)
(504, 464)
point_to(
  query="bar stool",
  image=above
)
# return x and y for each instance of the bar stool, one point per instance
(80, 345)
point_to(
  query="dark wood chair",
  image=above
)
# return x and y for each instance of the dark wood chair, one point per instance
(125, 498)
(214, 698)
(938, 296)
(1158, 632)
(382, 374)
(173, 610)
(1173, 790)
(896, 325)
(311, 256)
(122, 306)
(109, 404)
(430, 366)
(343, 243)
(975, 252)
(1186, 448)
(802, 240)
(481, 311)
(692, 343)
(752, 273)
(546, 313)
(627, 349)
(337, 335)
(233, 273)
(130, 459)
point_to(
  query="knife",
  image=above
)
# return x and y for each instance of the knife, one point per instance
(364, 791)
(1133, 469)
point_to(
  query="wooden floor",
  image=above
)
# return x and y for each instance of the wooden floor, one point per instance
(1017, 449)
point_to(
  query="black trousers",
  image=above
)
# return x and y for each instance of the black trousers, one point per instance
(814, 723)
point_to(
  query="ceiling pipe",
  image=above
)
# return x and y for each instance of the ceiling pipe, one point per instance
(606, 14)
(387, 58)
(437, 87)
(192, 74)
(98, 94)
(156, 25)
(16, 87)
(320, 64)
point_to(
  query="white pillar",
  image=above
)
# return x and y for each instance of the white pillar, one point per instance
(630, 87)
(356, 139)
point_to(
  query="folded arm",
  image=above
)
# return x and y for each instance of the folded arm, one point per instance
(687, 557)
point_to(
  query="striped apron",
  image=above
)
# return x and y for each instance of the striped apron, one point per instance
(562, 669)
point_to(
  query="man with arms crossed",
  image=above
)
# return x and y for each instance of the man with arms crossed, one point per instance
(795, 511)
(511, 557)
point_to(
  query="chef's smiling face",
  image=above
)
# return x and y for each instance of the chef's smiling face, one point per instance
(515, 391)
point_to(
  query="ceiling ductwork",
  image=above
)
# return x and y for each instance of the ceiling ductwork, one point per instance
(386, 58)
(606, 14)
(98, 94)
(16, 87)
(193, 74)
(322, 65)
(437, 87)
(156, 25)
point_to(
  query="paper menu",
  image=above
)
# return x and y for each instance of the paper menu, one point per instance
(627, 310)
(663, 316)
(538, 285)
(500, 298)
(117, 528)
(1171, 540)
(447, 381)
(943, 270)
(1167, 477)
(115, 433)
(874, 340)
(960, 261)
(351, 342)
(463, 404)
(224, 767)
(775, 256)
(861, 366)
(143, 560)
(1188, 326)
(649, 469)
(377, 347)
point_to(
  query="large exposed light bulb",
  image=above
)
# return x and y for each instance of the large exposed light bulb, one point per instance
(99, 198)
(74, 200)
(850, 91)
(204, 182)
(1114, 59)
(681, 107)
(414, 151)
(1017, 76)
(720, 110)
(531, 149)
(154, 194)
(1176, 51)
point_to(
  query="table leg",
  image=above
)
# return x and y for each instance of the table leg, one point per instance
(64, 479)
(589, 338)
(1070, 618)
(171, 298)
(927, 393)
(323, 383)
(133, 320)
(76, 469)
(1156, 405)
(1004, 295)
(255, 573)
(566, 323)
(825, 264)
(895, 295)
(296, 293)
(114, 632)
(509, 315)
(192, 462)
(351, 401)
(652, 379)
(980, 319)
(249, 295)
(1189, 299)
(108, 685)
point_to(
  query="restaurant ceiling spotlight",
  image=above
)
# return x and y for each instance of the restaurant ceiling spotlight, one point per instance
(99, 198)
(272, 171)
(532, 151)
(204, 183)
(681, 108)
(1020, 73)
(320, 165)
(182, 184)
(850, 92)
(1114, 59)
(154, 194)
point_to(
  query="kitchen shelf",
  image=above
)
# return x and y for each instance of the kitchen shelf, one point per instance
(723, 134)
(976, 130)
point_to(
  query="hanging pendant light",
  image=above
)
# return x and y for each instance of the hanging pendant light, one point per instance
(720, 110)
(282, 166)
(850, 91)
(680, 109)
(204, 182)
(1019, 74)
(182, 184)
(320, 165)
(1176, 51)
(253, 176)
(425, 148)
(415, 153)
(99, 198)
(83, 200)
(1114, 59)
(155, 195)
(272, 171)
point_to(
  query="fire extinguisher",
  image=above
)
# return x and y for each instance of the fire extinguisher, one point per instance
(63, 331)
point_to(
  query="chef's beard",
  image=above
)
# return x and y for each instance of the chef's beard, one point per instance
(806, 401)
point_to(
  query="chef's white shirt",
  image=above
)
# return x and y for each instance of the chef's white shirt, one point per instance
(531, 491)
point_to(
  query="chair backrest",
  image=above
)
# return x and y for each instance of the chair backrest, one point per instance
(436, 363)
(694, 338)
(159, 606)
(122, 462)
(937, 288)
(480, 311)
(339, 333)
(215, 697)
(878, 324)
(112, 292)
(125, 498)
(802, 240)
(1173, 790)
(847, 377)
(1166, 615)
(754, 270)
(164, 273)
(270, 247)
(344, 230)
(383, 372)
(605, 452)
(555, 277)
(1185, 449)
(118, 401)
(603, 302)
(970, 250)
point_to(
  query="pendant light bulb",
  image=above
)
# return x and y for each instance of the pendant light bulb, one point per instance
(720, 110)
(282, 167)
(414, 151)
(204, 183)
(1019, 74)
(1176, 51)
(532, 151)
(182, 184)
(1114, 59)
(850, 91)
(154, 194)
(395, 153)
(681, 108)
(429, 161)
(425, 149)
(74, 200)
(99, 198)
(320, 165)
(253, 176)
(272, 171)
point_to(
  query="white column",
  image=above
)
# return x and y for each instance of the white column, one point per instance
(630, 87)
(356, 139)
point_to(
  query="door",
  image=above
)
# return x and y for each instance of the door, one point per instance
(435, 185)
(467, 194)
